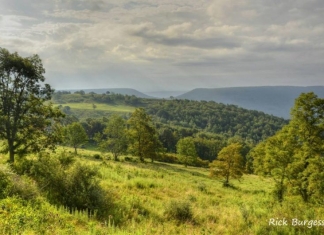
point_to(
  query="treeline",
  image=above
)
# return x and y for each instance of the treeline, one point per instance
(95, 131)
(189, 117)
(63, 97)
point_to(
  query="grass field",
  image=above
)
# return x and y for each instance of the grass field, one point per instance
(161, 198)
(101, 107)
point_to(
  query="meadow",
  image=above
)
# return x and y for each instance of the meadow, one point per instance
(162, 198)
(101, 107)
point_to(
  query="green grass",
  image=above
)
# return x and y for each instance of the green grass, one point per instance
(101, 107)
(145, 194)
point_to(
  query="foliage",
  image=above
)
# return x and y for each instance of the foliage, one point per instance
(26, 121)
(208, 149)
(307, 128)
(73, 185)
(12, 184)
(228, 120)
(274, 158)
(229, 163)
(92, 127)
(75, 135)
(197, 116)
(187, 150)
(179, 210)
(294, 156)
(143, 135)
(115, 139)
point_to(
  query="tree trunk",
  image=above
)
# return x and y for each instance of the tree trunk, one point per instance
(75, 150)
(115, 157)
(11, 151)
(11, 155)
(226, 183)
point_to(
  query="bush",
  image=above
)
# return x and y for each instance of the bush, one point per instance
(4, 181)
(12, 184)
(66, 159)
(201, 163)
(97, 156)
(167, 157)
(74, 185)
(202, 187)
(179, 210)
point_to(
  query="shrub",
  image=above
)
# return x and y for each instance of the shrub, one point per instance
(12, 184)
(179, 210)
(97, 156)
(167, 157)
(4, 181)
(66, 159)
(202, 187)
(74, 185)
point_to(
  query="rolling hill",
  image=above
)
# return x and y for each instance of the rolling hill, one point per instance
(275, 100)
(122, 91)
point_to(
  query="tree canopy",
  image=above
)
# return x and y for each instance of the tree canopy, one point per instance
(26, 120)
(187, 150)
(143, 135)
(229, 163)
(114, 137)
(75, 135)
(294, 156)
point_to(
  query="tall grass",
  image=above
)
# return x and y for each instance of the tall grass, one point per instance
(161, 198)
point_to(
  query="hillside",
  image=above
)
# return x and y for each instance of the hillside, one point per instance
(122, 91)
(150, 198)
(275, 100)
(194, 116)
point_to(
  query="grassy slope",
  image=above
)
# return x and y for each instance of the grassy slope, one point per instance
(101, 107)
(143, 191)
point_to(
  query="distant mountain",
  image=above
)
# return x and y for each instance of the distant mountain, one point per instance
(123, 91)
(164, 94)
(275, 100)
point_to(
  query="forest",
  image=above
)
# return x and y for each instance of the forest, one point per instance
(113, 164)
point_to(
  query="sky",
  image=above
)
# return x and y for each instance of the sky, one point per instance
(153, 45)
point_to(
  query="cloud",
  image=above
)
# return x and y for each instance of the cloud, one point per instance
(184, 36)
(150, 42)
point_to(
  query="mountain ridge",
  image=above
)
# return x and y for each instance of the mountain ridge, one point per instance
(275, 100)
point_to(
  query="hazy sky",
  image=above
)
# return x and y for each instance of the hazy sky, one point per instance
(169, 44)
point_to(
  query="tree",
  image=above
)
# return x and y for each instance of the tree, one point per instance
(75, 135)
(26, 120)
(294, 156)
(307, 127)
(187, 150)
(143, 135)
(116, 138)
(168, 139)
(92, 127)
(274, 158)
(229, 164)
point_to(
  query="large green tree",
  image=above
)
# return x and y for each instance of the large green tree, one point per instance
(187, 150)
(75, 135)
(294, 156)
(229, 164)
(274, 158)
(143, 135)
(26, 121)
(114, 138)
(307, 127)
